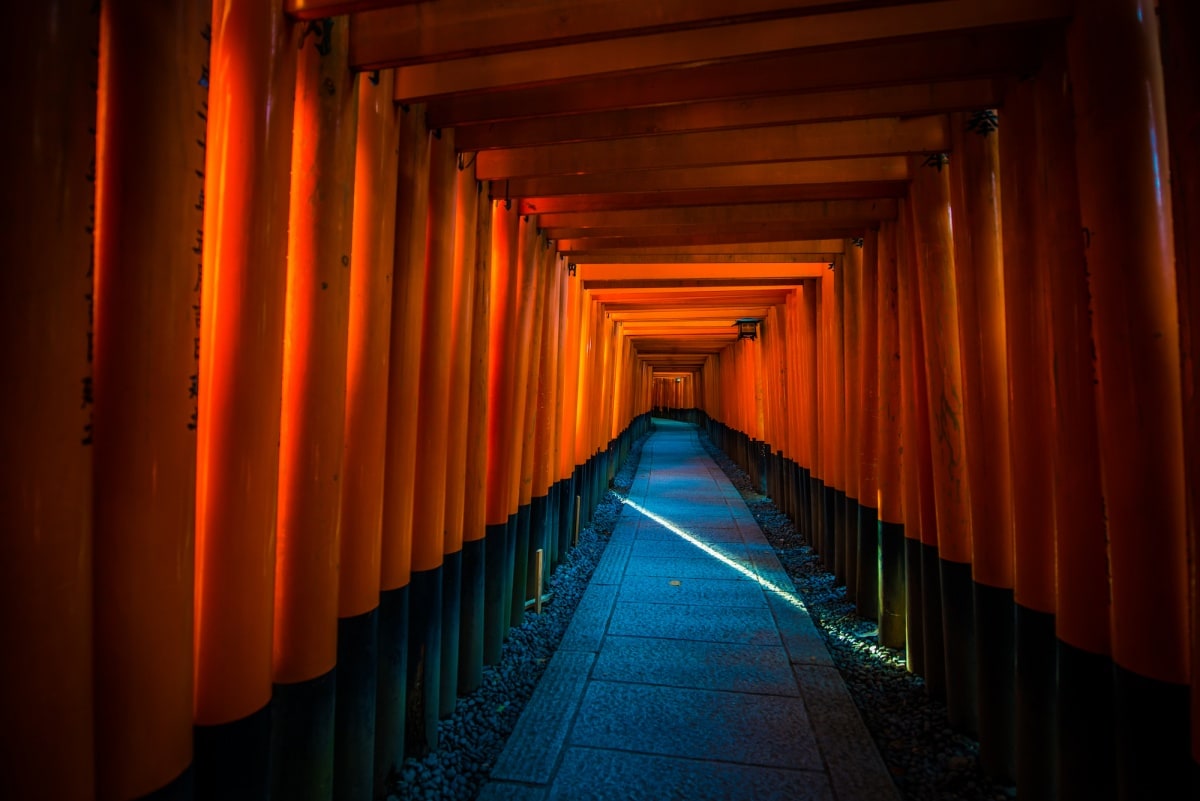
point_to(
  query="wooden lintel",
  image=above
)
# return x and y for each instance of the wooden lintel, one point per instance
(449, 29)
(883, 136)
(983, 54)
(807, 211)
(713, 197)
(696, 238)
(878, 169)
(907, 100)
(651, 51)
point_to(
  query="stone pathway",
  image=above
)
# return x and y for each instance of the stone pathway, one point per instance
(691, 669)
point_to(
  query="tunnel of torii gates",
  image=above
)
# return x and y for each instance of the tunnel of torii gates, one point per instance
(316, 329)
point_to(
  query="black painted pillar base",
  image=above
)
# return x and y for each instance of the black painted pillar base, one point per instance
(424, 662)
(232, 760)
(473, 620)
(566, 516)
(1035, 718)
(867, 563)
(354, 720)
(1153, 736)
(553, 515)
(853, 535)
(1087, 738)
(839, 537)
(995, 696)
(828, 527)
(537, 539)
(892, 614)
(958, 630)
(510, 560)
(522, 556)
(391, 687)
(914, 607)
(451, 616)
(935, 644)
(816, 516)
(302, 739)
(495, 609)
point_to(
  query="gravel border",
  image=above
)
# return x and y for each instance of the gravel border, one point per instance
(470, 740)
(928, 760)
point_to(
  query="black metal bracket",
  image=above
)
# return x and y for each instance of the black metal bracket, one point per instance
(983, 122)
(936, 160)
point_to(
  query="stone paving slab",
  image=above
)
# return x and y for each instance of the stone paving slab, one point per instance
(612, 565)
(591, 774)
(856, 772)
(750, 729)
(704, 567)
(590, 619)
(682, 549)
(531, 753)
(747, 625)
(691, 669)
(698, 665)
(703, 592)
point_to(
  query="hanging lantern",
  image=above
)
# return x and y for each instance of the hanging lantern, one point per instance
(747, 328)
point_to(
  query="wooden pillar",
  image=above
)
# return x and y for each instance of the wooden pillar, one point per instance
(247, 161)
(400, 462)
(868, 423)
(531, 309)
(930, 194)
(892, 588)
(372, 247)
(45, 340)
(979, 282)
(1181, 66)
(466, 227)
(1030, 377)
(475, 520)
(923, 577)
(150, 200)
(1125, 205)
(313, 417)
(850, 400)
(432, 439)
(837, 418)
(501, 389)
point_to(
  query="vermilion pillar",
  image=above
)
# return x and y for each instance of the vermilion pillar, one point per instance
(933, 240)
(247, 165)
(1125, 204)
(475, 522)
(868, 418)
(890, 503)
(530, 312)
(365, 433)
(837, 419)
(463, 300)
(313, 417)
(400, 460)
(1031, 426)
(45, 332)
(432, 437)
(920, 524)
(975, 195)
(150, 201)
(1181, 67)
(501, 363)
(850, 399)
(1078, 671)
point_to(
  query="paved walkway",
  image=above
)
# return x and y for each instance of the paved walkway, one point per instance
(691, 669)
